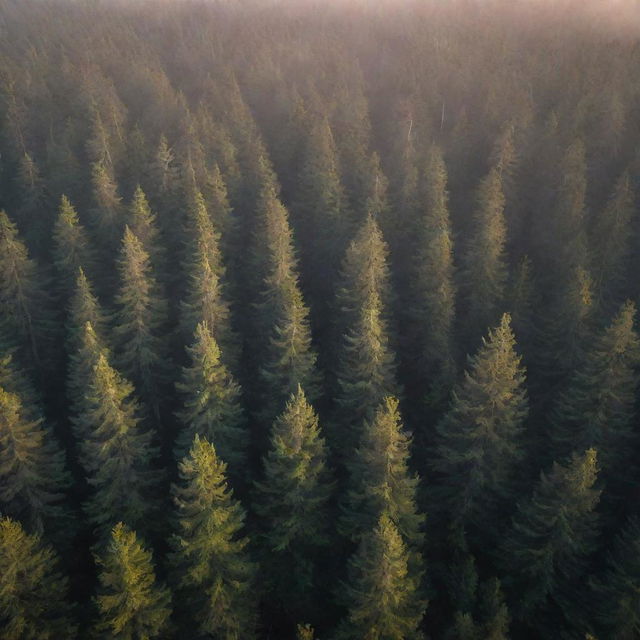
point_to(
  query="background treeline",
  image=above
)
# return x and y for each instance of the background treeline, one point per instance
(318, 320)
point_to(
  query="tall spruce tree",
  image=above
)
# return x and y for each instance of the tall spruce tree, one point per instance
(380, 481)
(206, 300)
(366, 371)
(140, 322)
(212, 405)
(107, 212)
(71, 248)
(131, 604)
(597, 409)
(22, 300)
(142, 223)
(434, 289)
(292, 505)
(544, 556)
(484, 272)
(33, 479)
(288, 358)
(115, 451)
(213, 571)
(617, 590)
(33, 593)
(479, 439)
(382, 598)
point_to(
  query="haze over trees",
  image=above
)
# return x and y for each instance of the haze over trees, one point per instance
(318, 320)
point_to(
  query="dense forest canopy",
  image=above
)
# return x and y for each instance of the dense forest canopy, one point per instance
(318, 320)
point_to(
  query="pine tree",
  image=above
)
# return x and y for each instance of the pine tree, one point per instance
(597, 409)
(139, 323)
(380, 480)
(210, 558)
(433, 286)
(33, 478)
(320, 213)
(142, 223)
(479, 438)
(217, 199)
(33, 592)
(366, 369)
(611, 241)
(22, 301)
(292, 504)
(115, 451)
(71, 249)
(382, 597)
(206, 300)
(617, 591)
(212, 406)
(484, 273)
(32, 201)
(107, 212)
(131, 604)
(552, 535)
(288, 359)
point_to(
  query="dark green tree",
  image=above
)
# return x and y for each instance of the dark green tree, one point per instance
(33, 592)
(382, 598)
(292, 503)
(479, 439)
(288, 358)
(115, 451)
(142, 223)
(366, 371)
(131, 604)
(71, 248)
(380, 481)
(433, 287)
(33, 479)
(544, 556)
(140, 322)
(617, 590)
(210, 560)
(107, 212)
(212, 405)
(597, 409)
(484, 272)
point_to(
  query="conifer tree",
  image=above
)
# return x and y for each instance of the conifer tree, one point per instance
(139, 323)
(22, 301)
(210, 559)
(162, 187)
(71, 248)
(212, 406)
(383, 599)
(205, 300)
(32, 201)
(115, 451)
(107, 211)
(380, 480)
(597, 409)
(33, 478)
(217, 199)
(366, 368)
(288, 358)
(479, 439)
(612, 245)
(484, 273)
(292, 504)
(433, 286)
(142, 223)
(553, 533)
(617, 591)
(131, 603)
(320, 212)
(33, 592)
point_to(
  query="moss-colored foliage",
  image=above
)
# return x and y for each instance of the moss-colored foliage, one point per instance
(33, 591)
(479, 440)
(382, 598)
(292, 503)
(131, 604)
(212, 405)
(210, 561)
